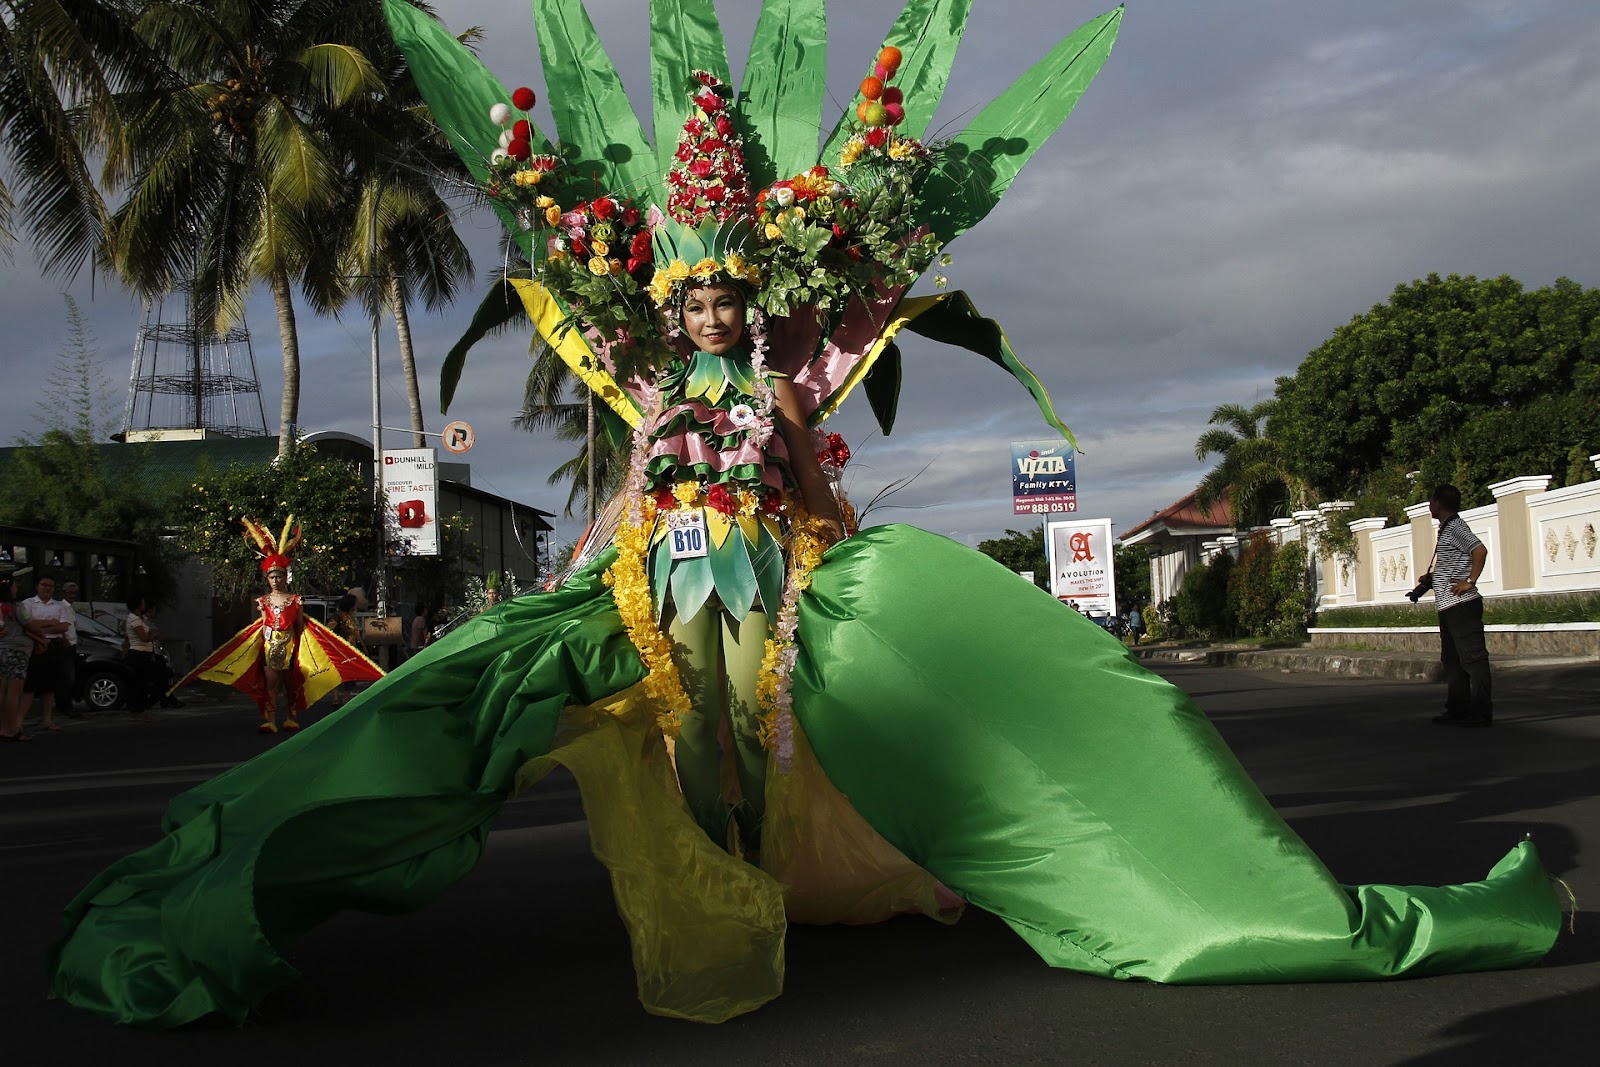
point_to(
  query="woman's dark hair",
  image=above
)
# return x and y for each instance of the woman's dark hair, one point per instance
(136, 602)
(346, 602)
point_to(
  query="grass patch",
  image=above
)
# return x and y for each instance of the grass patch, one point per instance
(1503, 611)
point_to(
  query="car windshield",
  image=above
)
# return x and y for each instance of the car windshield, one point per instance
(86, 625)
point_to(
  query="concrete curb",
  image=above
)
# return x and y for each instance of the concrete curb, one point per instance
(1396, 666)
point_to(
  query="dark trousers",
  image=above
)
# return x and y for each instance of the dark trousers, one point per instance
(1465, 657)
(147, 680)
(66, 674)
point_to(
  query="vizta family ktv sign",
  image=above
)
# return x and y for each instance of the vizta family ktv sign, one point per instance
(1044, 477)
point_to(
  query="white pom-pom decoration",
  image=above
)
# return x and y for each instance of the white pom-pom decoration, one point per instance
(499, 114)
(498, 156)
(505, 138)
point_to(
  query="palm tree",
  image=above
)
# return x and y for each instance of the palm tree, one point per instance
(1251, 473)
(400, 238)
(236, 173)
(600, 466)
(62, 65)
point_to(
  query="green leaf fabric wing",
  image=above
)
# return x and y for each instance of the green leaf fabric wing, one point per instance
(684, 36)
(459, 91)
(784, 84)
(981, 161)
(592, 113)
(882, 386)
(955, 321)
(499, 306)
(927, 33)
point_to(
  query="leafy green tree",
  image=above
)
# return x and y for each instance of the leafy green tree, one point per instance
(442, 579)
(1131, 567)
(236, 177)
(1202, 607)
(1020, 551)
(1250, 475)
(329, 499)
(1460, 379)
(1251, 598)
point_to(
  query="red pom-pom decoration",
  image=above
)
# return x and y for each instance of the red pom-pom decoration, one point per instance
(521, 130)
(893, 95)
(896, 113)
(523, 98)
(519, 149)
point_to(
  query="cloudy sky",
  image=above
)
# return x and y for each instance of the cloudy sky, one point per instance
(1244, 176)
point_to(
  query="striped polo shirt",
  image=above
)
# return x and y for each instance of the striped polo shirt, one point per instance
(1453, 563)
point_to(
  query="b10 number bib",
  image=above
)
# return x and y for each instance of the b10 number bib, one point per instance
(686, 534)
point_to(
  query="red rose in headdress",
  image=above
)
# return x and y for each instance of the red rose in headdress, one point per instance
(718, 497)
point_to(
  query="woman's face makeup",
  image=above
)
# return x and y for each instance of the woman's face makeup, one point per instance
(713, 317)
(277, 581)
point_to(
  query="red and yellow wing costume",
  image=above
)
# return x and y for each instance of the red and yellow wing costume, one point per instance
(322, 661)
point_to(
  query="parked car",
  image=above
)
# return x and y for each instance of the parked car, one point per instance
(104, 678)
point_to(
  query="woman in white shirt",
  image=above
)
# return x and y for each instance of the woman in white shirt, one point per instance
(142, 639)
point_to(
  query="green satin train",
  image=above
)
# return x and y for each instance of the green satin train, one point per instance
(1007, 747)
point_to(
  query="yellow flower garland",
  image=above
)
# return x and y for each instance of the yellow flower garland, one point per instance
(806, 547)
(630, 587)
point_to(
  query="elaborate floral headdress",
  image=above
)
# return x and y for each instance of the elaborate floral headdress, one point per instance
(705, 237)
(274, 551)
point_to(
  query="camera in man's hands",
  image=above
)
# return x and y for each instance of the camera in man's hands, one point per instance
(1424, 585)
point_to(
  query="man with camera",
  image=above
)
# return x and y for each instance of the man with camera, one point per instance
(1458, 560)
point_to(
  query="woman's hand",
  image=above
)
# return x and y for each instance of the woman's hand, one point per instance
(815, 491)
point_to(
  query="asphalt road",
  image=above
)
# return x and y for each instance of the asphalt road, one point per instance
(525, 961)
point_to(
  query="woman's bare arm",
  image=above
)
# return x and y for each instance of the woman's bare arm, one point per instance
(815, 492)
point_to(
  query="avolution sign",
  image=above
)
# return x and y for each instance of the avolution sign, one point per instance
(1044, 477)
(1080, 563)
(410, 492)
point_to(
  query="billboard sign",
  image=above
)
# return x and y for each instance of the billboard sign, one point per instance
(1080, 564)
(1044, 477)
(410, 493)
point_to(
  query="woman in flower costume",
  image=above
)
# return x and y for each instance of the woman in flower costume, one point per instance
(284, 649)
(1084, 800)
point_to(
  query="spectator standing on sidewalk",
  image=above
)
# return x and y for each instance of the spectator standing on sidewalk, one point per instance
(15, 647)
(67, 677)
(143, 635)
(1458, 561)
(1135, 623)
(46, 620)
(419, 630)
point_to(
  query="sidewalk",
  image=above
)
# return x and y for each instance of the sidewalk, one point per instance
(1398, 666)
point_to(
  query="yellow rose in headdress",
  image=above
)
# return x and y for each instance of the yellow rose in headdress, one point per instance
(552, 214)
(544, 202)
(734, 264)
(598, 265)
(706, 268)
(773, 233)
(678, 271)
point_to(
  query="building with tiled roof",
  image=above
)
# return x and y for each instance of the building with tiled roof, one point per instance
(1173, 537)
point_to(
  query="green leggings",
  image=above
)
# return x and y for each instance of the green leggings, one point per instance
(719, 658)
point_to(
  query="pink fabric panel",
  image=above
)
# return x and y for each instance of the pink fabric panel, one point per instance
(843, 352)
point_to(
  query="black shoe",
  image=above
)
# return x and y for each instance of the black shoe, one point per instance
(1449, 718)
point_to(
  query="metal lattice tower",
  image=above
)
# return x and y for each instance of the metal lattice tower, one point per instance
(190, 378)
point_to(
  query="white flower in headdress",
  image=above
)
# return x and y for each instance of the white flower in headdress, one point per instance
(742, 415)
